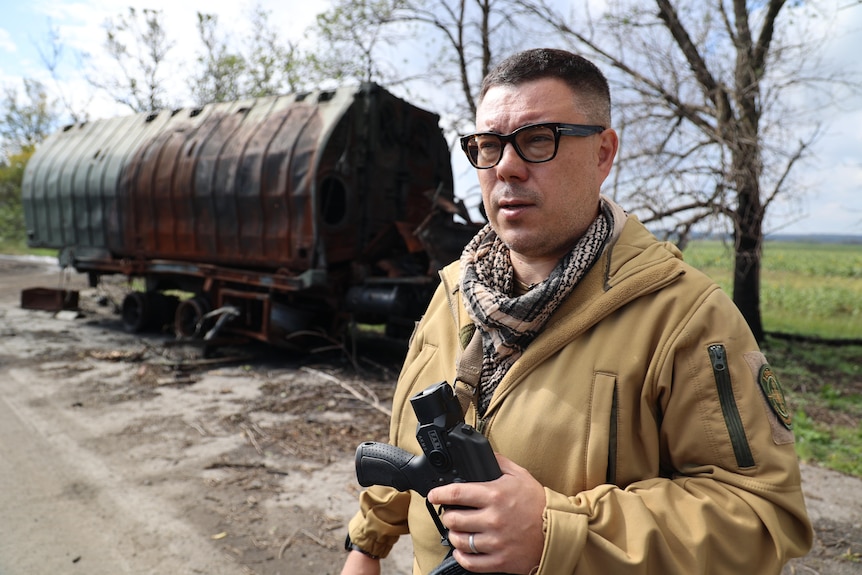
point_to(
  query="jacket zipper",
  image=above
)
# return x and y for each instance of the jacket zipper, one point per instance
(724, 386)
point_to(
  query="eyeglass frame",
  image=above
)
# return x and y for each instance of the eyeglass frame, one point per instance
(559, 129)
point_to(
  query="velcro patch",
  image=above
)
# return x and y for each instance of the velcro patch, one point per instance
(774, 404)
(775, 395)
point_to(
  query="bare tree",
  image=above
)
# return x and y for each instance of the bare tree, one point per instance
(51, 52)
(706, 93)
(446, 44)
(472, 33)
(703, 94)
(138, 45)
(139, 70)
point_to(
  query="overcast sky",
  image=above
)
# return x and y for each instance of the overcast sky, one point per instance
(834, 178)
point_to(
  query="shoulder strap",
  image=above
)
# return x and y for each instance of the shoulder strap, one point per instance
(469, 369)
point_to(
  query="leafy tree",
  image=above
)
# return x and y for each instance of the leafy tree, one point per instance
(11, 210)
(263, 66)
(220, 74)
(272, 65)
(354, 31)
(25, 120)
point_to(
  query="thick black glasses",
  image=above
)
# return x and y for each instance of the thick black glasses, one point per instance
(535, 143)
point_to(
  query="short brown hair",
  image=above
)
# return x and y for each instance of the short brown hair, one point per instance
(582, 76)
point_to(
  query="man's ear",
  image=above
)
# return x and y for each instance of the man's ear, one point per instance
(609, 143)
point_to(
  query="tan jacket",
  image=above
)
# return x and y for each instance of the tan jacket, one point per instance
(640, 409)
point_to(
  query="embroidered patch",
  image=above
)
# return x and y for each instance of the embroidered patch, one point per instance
(775, 395)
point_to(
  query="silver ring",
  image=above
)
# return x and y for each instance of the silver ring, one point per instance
(472, 544)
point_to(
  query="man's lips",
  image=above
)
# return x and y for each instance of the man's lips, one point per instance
(510, 203)
(513, 206)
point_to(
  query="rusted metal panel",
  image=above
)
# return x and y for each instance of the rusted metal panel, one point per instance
(49, 299)
(70, 184)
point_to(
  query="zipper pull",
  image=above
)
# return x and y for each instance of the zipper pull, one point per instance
(480, 425)
(718, 357)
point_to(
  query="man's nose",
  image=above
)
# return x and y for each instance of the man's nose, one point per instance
(511, 165)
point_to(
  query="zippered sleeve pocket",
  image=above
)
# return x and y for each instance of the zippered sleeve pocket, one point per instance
(729, 409)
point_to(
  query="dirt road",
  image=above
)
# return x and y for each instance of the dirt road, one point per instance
(121, 454)
(126, 454)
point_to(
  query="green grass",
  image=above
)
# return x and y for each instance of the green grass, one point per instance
(823, 384)
(833, 447)
(18, 247)
(810, 290)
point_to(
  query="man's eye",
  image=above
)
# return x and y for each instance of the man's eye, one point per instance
(537, 137)
(488, 144)
(539, 140)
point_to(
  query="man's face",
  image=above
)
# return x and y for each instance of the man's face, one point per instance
(541, 210)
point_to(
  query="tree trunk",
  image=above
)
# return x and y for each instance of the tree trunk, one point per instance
(746, 281)
(749, 249)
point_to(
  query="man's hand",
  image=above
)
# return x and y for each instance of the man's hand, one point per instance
(360, 564)
(504, 516)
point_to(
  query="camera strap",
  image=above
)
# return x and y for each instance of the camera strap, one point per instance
(468, 371)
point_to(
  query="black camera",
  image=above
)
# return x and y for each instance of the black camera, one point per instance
(452, 451)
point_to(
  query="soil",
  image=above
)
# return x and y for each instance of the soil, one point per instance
(130, 453)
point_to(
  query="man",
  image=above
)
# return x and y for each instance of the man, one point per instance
(638, 427)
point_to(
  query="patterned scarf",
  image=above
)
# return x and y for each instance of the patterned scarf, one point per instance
(509, 323)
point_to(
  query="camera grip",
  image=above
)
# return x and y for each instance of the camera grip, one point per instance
(384, 464)
(473, 458)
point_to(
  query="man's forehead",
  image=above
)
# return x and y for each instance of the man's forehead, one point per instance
(506, 107)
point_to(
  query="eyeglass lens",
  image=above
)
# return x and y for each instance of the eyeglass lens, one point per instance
(533, 143)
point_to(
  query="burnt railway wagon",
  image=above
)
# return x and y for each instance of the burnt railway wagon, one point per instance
(265, 218)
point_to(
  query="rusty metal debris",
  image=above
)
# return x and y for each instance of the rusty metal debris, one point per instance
(49, 299)
(300, 213)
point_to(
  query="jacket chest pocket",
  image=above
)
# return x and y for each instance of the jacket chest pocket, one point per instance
(601, 448)
(564, 433)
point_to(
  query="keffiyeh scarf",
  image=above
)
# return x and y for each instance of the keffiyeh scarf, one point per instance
(509, 323)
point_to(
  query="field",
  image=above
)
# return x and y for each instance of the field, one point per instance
(807, 289)
(811, 303)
